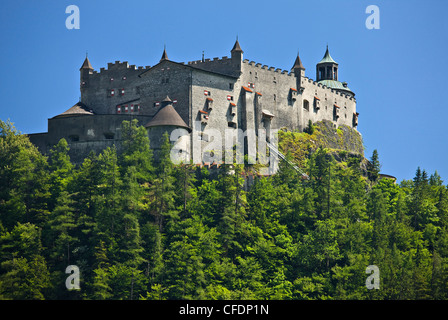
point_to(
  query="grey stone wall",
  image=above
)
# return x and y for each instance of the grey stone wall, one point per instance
(237, 94)
(84, 133)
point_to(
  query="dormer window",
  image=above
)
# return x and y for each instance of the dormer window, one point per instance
(122, 92)
(110, 92)
(336, 111)
(232, 108)
(316, 103)
(209, 103)
(203, 115)
(355, 119)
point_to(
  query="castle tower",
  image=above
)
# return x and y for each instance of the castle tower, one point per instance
(237, 55)
(85, 70)
(167, 120)
(327, 68)
(299, 71)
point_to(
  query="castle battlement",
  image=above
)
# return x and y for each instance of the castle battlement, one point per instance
(207, 60)
(267, 68)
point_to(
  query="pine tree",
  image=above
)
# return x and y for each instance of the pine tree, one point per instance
(374, 166)
(136, 151)
(24, 181)
(60, 170)
(163, 187)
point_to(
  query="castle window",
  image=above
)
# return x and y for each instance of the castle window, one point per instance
(230, 98)
(132, 108)
(275, 97)
(231, 124)
(74, 138)
(118, 109)
(306, 105)
(109, 136)
(207, 93)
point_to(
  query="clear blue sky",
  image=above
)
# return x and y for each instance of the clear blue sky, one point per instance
(397, 72)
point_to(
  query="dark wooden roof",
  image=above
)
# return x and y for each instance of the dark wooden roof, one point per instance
(298, 63)
(236, 47)
(86, 64)
(167, 116)
(77, 110)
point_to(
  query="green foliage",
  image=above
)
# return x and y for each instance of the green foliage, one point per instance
(138, 229)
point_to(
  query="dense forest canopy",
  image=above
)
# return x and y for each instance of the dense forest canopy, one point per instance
(140, 229)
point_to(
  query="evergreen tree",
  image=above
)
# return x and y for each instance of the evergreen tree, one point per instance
(163, 187)
(374, 166)
(24, 181)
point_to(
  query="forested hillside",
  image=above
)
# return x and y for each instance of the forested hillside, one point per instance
(144, 230)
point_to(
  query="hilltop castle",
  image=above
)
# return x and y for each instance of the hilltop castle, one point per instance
(222, 93)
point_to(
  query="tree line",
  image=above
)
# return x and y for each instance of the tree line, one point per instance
(141, 229)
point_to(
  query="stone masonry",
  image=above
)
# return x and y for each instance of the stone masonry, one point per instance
(220, 93)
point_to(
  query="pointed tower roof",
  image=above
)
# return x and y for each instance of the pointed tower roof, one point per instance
(298, 63)
(164, 55)
(167, 116)
(79, 109)
(236, 47)
(86, 64)
(327, 58)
